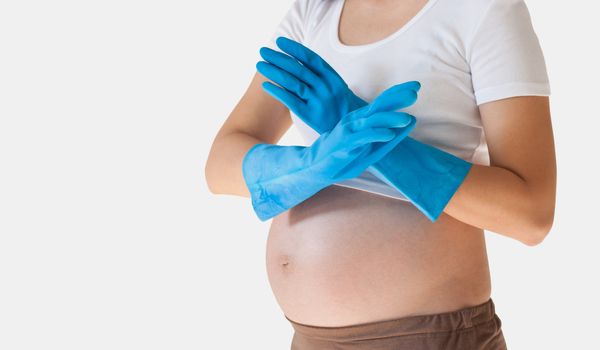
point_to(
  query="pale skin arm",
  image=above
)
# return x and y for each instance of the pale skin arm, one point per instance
(515, 195)
(257, 118)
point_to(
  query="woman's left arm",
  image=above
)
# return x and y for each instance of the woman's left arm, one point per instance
(515, 195)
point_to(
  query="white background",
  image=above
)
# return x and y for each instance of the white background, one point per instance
(109, 238)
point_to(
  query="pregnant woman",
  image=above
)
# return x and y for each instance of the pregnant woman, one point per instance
(367, 249)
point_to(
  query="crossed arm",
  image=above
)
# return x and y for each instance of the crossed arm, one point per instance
(514, 196)
(257, 118)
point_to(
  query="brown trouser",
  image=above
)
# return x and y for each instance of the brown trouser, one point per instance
(472, 328)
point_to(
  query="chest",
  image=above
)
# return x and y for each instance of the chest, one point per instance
(363, 22)
(429, 49)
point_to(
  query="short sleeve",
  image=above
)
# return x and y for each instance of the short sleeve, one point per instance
(294, 24)
(505, 56)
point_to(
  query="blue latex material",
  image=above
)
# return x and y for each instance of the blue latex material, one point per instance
(316, 93)
(280, 177)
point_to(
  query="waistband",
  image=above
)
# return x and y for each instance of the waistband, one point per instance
(419, 324)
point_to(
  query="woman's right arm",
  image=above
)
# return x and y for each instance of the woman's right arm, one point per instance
(257, 118)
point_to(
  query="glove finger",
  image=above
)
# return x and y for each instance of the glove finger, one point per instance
(410, 85)
(309, 58)
(367, 136)
(291, 66)
(394, 98)
(383, 120)
(357, 114)
(283, 79)
(404, 131)
(291, 101)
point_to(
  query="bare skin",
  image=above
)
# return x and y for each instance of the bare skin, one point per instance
(346, 256)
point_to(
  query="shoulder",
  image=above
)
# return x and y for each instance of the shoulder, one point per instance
(466, 16)
(316, 10)
(468, 11)
(482, 8)
(309, 14)
(314, 6)
(476, 9)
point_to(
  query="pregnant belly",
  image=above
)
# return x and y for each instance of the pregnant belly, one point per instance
(347, 257)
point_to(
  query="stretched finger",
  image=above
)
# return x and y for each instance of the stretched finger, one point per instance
(396, 97)
(291, 101)
(368, 136)
(291, 66)
(283, 79)
(357, 114)
(308, 58)
(384, 120)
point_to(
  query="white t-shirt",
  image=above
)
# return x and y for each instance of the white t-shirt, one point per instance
(463, 52)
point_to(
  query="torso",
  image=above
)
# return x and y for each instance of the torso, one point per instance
(347, 256)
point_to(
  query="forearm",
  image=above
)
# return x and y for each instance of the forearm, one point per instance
(499, 200)
(223, 168)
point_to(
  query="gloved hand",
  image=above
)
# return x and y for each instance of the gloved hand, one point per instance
(304, 95)
(312, 89)
(306, 91)
(280, 177)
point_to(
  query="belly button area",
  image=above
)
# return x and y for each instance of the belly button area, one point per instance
(284, 261)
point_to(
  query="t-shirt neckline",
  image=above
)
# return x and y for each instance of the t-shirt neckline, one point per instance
(335, 24)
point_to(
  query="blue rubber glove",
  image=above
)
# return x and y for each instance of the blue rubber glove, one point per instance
(280, 177)
(310, 88)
